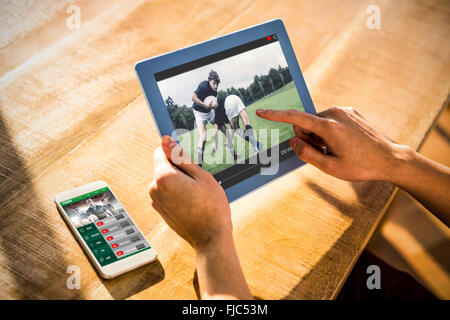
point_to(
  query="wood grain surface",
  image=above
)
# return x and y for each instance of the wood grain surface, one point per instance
(72, 112)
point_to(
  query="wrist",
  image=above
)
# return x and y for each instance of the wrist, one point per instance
(401, 164)
(215, 244)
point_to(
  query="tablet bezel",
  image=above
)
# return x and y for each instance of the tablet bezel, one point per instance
(146, 70)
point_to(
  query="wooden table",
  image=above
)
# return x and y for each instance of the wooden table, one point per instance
(71, 112)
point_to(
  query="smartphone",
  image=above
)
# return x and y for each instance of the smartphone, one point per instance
(104, 228)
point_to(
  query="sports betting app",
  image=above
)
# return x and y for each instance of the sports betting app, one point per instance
(105, 226)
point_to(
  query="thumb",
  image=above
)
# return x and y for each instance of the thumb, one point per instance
(309, 154)
(179, 158)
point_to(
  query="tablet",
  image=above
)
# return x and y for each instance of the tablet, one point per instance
(205, 96)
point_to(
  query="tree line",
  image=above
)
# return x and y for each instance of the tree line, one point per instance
(263, 85)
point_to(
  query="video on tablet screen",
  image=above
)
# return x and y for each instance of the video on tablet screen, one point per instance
(212, 104)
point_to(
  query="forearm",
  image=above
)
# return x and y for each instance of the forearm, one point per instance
(427, 181)
(219, 271)
(199, 102)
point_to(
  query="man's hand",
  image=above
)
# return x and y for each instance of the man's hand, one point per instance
(355, 151)
(358, 152)
(188, 198)
(194, 205)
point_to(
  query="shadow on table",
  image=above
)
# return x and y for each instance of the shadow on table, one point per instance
(135, 281)
(130, 283)
(326, 275)
(408, 214)
(31, 253)
(442, 132)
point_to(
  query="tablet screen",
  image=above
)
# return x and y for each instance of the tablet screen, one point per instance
(212, 104)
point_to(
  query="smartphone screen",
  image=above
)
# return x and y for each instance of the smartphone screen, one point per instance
(105, 226)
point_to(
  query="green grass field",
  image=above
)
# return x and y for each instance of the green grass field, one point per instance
(284, 98)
